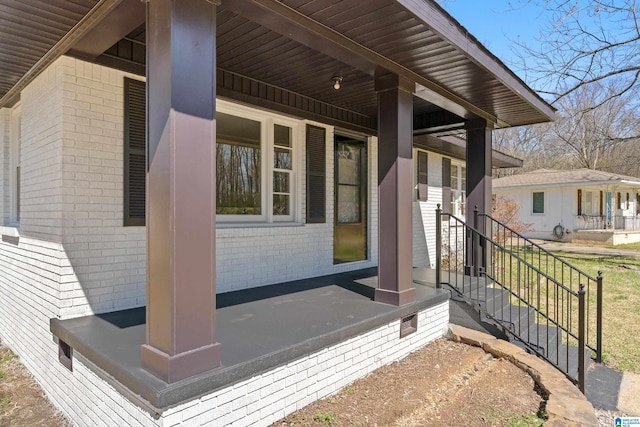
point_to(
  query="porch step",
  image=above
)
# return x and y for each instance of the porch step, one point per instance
(489, 309)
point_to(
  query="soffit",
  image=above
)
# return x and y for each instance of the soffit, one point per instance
(29, 29)
(399, 31)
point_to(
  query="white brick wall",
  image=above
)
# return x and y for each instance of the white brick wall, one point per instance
(29, 298)
(108, 259)
(264, 399)
(41, 167)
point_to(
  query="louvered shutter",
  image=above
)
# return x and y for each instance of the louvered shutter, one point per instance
(423, 176)
(601, 203)
(316, 174)
(446, 185)
(579, 202)
(135, 167)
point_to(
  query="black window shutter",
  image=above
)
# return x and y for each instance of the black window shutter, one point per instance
(446, 185)
(135, 165)
(579, 201)
(423, 176)
(316, 174)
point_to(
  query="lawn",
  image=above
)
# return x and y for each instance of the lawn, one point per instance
(621, 305)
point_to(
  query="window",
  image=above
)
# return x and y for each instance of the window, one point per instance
(422, 176)
(255, 158)
(538, 202)
(254, 165)
(458, 190)
(14, 160)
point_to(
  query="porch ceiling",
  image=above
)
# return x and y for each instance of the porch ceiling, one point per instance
(299, 45)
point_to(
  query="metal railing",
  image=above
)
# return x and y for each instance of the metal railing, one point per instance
(540, 299)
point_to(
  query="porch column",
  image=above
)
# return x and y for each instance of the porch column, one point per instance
(479, 137)
(395, 196)
(181, 182)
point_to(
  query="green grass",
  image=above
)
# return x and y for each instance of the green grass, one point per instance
(621, 303)
(328, 418)
(631, 246)
(529, 420)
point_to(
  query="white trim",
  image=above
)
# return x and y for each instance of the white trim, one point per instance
(267, 120)
(15, 133)
(543, 203)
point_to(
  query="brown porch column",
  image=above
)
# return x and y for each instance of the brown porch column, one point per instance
(181, 230)
(395, 195)
(479, 134)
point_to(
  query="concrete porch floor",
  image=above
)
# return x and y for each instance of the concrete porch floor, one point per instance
(258, 329)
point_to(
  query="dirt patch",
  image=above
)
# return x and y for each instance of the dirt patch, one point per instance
(22, 402)
(444, 384)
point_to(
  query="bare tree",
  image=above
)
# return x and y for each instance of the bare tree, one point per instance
(588, 132)
(586, 42)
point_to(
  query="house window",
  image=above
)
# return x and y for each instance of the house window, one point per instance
(591, 204)
(538, 202)
(14, 164)
(255, 158)
(458, 190)
(238, 166)
(422, 176)
(254, 166)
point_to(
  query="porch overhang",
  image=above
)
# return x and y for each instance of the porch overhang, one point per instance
(456, 148)
(299, 45)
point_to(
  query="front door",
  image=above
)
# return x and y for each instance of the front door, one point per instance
(350, 219)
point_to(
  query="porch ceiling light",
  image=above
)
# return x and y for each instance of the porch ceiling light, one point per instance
(337, 82)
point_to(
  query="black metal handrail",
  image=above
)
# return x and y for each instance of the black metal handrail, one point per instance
(518, 291)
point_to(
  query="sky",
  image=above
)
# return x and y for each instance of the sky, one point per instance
(497, 26)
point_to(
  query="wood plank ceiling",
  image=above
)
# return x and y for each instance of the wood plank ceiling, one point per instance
(384, 27)
(29, 28)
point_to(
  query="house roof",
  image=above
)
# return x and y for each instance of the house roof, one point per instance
(549, 178)
(457, 148)
(294, 44)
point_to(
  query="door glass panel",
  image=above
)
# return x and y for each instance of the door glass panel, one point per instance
(348, 204)
(348, 165)
(350, 232)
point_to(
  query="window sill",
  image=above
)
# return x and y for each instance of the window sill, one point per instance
(10, 230)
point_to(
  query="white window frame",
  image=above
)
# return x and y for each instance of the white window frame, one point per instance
(458, 194)
(14, 163)
(267, 121)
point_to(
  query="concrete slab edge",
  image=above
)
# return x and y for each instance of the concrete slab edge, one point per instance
(566, 405)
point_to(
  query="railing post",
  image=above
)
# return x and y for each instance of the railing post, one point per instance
(599, 318)
(475, 242)
(581, 338)
(438, 246)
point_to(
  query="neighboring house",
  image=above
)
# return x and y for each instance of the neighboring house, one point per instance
(157, 156)
(581, 204)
